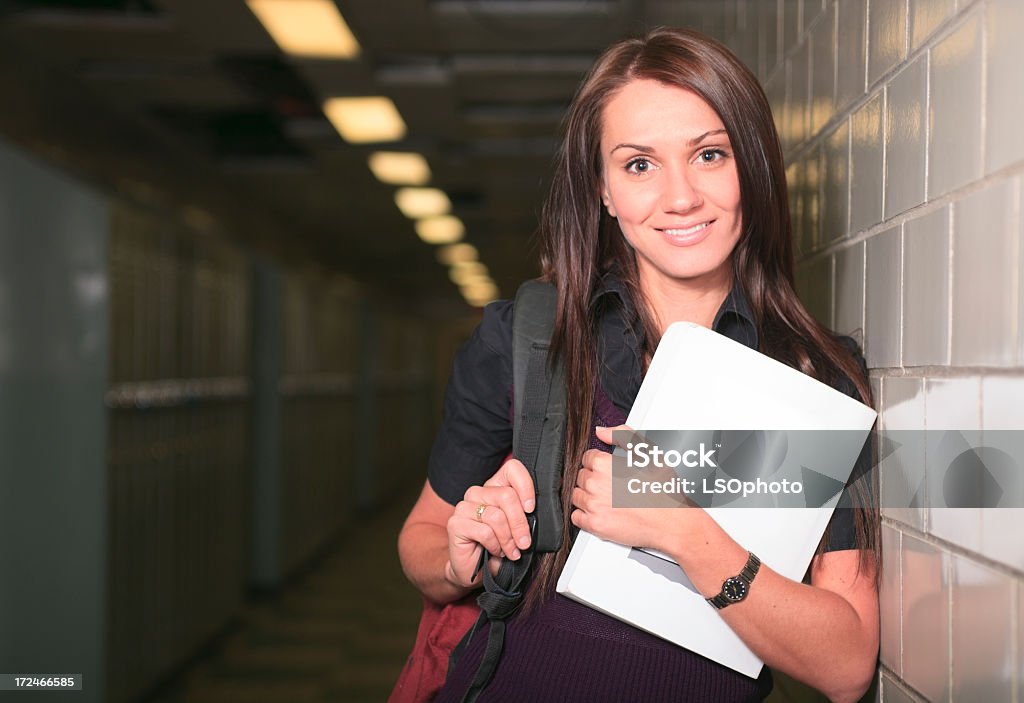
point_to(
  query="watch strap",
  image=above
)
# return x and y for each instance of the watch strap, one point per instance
(747, 574)
(750, 569)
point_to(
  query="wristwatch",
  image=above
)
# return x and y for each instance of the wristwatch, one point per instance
(735, 588)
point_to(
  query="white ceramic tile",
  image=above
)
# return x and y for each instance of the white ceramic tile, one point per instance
(1002, 402)
(1018, 236)
(985, 269)
(887, 36)
(954, 109)
(823, 46)
(893, 693)
(785, 117)
(795, 180)
(925, 618)
(1003, 418)
(798, 100)
(961, 526)
(925, 18)
(1001, 536)
(814, 286)
(849, 291)
(902, 472)
(738, 34)
(951, 404)
(835, 185)
(882, 302)
(813, 9)
(982, 633)
(851, 56)
(775, 90)
(811, 211)
(768, 35)
(926, 264)
(1020, 640)
(790, 21)
(904, 407)
(866, 143)
(905, 128)
(1004, 99)
(889, 600)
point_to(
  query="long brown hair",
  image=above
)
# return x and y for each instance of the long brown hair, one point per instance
(580, 242)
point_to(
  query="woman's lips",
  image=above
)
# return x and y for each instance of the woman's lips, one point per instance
(689, 236)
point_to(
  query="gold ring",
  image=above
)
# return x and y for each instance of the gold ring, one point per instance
(480, 512)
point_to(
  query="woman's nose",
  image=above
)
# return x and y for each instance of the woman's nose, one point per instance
(681, 193)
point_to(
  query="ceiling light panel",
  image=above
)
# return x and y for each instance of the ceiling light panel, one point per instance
(440, 230)
(402, 168)
(365, 120)
(417, 203)
(307, 28)
(457, 254)
(479, 293)
(469, 273)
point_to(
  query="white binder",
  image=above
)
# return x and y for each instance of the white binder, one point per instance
(701, 380)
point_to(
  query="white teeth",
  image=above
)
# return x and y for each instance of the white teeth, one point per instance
(683, 232)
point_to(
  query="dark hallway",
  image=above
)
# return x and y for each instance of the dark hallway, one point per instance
(338, 632)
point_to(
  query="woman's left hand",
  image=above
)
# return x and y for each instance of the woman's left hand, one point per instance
(661, 528)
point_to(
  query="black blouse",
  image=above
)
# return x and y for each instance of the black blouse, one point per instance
(476, 429)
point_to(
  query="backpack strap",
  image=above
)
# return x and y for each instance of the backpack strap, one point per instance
(538, 436)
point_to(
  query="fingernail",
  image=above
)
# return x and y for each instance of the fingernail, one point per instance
(599, 427)
(515, 554)
(524, 541)
(528, 505)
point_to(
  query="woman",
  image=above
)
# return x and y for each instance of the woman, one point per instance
(668, 203)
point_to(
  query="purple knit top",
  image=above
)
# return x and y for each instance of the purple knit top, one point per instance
(565, 652)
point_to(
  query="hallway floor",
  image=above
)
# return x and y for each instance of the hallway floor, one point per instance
(338, 633)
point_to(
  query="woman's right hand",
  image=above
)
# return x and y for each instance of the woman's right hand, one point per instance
(500, 527)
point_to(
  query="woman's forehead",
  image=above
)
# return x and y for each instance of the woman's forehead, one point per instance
(655, 111)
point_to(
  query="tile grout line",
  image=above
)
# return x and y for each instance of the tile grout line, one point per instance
(949, 627)
(955, 549)
(926, 208)
(940, 33)
(950, 267)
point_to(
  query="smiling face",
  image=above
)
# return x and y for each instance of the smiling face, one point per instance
(669, 177)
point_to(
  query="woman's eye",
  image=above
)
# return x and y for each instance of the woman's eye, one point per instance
(711, 155)
(638, 166)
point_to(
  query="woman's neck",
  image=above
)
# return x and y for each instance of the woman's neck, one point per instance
(686, 300)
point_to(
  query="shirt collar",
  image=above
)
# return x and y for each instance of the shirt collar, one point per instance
(734, 318)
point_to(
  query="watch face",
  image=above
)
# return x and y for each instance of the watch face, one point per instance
(735, 589)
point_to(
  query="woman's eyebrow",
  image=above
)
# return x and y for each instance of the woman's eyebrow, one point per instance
(650, 150)
(638, 147)
(711, 133)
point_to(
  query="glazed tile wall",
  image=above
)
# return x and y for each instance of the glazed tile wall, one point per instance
(900, 122)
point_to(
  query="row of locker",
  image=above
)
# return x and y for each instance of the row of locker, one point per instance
(354, 407)
(178, 514)
(179, 302)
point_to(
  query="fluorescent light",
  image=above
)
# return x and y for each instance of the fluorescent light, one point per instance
(440, 230)
(308, 28)
(466, 274)
(400, 168)
(365, 120)
(457, 254)
(480, 293)
(417, 203)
